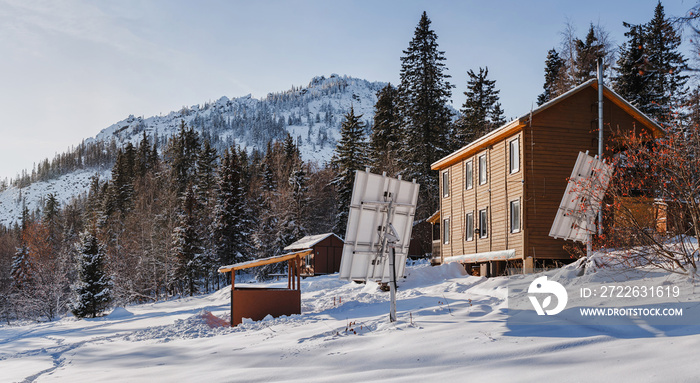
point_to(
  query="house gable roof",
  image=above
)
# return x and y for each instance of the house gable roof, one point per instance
(310, 241)
(517, 124)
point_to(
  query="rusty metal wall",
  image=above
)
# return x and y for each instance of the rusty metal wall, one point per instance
(256, 303)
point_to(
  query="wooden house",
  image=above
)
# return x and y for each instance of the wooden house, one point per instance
(326, 255)
(499, 195)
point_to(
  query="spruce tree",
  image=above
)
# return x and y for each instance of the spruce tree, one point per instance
(93, 289)
(187, 244)
(22, 272)
(587, 53)
(631, 81)
(350, 155)
(120, 192)
(426, 119)
(143, 157)
(665, 65)
(386, 137)
(206, 199)
(553, 70)
(182, 156)
(231, 218)
(299, 204)
(481, 112)
(206, 173)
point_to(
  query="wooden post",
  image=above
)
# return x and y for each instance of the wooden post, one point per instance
(298, 270)
(289, 274)
(233, 287)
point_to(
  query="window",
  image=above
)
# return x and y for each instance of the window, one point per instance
(483, 224)
(469, 224)
(469, 174)
(482, 169)
(446, 231)
(515, 155)
(308, 259)
(515, 216)
(446, 183)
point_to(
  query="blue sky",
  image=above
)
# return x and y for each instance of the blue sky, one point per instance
(71, 67)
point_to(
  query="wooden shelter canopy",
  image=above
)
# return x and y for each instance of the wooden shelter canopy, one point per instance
(264, 261)
(435, 218)
(517, 125)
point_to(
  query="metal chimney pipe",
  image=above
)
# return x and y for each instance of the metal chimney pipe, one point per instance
(600, 131)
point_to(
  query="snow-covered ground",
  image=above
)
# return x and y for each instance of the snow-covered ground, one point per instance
(451, 328)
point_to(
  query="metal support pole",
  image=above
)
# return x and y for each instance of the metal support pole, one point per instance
(392, 285)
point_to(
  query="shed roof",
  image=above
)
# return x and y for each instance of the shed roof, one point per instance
(518, 123)
(310, 241)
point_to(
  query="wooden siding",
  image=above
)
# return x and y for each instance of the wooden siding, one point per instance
(495, 195)
(549, 145)
(552, 144)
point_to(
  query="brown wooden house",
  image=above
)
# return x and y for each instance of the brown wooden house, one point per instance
(499, 195)
(326, 255)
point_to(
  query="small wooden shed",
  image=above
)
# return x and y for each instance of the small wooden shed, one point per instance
(325, 258)
(257, 302)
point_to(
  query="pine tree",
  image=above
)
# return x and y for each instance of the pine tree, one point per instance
(187, 244)
(553, 70)
(350, 155)
(94, 287)
(426, 119)
(386, 136)
(665, 64)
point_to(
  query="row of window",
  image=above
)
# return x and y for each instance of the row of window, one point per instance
(513, 167)
(482, 230)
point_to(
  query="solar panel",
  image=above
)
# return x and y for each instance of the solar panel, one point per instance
(582, 199)
(378, 203)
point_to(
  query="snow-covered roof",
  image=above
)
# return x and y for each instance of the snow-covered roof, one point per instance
(309, 241)
(502, 255)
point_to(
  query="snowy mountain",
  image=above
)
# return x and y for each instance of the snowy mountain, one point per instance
(64, 188)
(311, 115)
